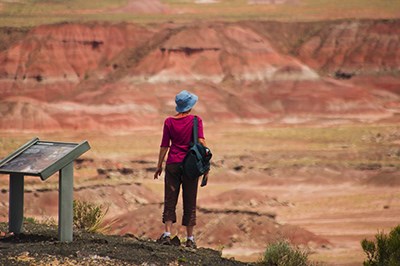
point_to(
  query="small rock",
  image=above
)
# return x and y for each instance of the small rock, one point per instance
(253, 203)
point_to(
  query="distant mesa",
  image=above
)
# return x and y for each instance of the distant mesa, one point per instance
(271, 2)
(206, 1)
(144, 7)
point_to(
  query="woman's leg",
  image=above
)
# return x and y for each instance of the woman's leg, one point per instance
(189, 187)
(168, 226)
(171, 193)
(189, 230)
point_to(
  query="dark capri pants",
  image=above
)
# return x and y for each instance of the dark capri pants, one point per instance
(174, 178)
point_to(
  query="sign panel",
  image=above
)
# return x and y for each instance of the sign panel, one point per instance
(38, 157)
(42, 158)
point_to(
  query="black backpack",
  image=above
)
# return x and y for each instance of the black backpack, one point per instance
(197, 159)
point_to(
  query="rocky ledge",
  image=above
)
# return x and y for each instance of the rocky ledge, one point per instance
(38, 245)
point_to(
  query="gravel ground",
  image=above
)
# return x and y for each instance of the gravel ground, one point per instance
(38, 245)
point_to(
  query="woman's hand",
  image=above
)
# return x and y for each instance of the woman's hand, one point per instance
(161, 156)
(158, 172)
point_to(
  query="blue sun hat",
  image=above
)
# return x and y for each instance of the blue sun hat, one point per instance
(185, 101)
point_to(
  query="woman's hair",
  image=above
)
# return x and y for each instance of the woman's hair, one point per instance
(186, 112)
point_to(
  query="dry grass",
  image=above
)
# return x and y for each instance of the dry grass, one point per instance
(90, 217)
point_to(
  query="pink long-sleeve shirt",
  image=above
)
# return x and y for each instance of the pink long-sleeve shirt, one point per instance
(177, 135)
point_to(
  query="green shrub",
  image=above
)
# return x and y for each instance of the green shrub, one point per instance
(384, 251)
(90, 217)
(281, 253)
(30, 220)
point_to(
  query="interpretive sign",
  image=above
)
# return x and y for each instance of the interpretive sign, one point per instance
(43, 158)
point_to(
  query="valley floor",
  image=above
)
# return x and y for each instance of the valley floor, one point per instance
(323, 188)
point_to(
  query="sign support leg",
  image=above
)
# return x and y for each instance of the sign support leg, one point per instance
(16, 203)
(65, 203)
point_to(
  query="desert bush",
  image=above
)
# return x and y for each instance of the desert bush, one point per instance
(281, 253)
(30, 220)
(385, 250)
(90, 216)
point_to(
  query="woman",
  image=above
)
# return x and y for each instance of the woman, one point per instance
(177, 134)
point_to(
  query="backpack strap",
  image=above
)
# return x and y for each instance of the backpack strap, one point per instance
(196, 151)
(195, 128)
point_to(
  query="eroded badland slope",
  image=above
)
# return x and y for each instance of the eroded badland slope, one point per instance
(123, 75)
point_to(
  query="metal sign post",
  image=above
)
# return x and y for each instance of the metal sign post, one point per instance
(43, 158)
(65, 203)
(16, 206)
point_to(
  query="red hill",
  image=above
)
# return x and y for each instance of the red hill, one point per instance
(125, 76)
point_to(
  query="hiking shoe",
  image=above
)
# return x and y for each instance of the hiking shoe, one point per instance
(190, 244)
(175, 241)
(164, 240)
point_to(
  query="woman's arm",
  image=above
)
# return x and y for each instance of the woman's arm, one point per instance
(202, 141)
(161, 157)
